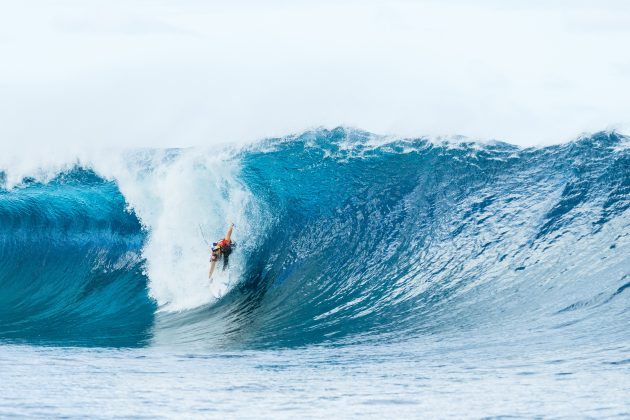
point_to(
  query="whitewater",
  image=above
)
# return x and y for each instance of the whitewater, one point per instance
(425, 277)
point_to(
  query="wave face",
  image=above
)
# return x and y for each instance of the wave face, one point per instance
(343, 236)
(70, 263)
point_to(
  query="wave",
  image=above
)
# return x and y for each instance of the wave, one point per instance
(343, 236)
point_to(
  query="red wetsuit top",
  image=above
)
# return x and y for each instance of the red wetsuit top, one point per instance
(224, 245)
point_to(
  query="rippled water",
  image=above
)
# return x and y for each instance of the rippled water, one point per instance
(429, 379)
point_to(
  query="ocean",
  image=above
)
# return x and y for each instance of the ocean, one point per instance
(372, 277)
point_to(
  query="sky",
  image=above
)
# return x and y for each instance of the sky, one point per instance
(166, 73)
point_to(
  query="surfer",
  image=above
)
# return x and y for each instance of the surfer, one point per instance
(222, 248)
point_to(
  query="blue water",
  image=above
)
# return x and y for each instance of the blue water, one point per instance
(373, 277)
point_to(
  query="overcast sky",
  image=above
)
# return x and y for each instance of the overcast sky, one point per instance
(184, 72)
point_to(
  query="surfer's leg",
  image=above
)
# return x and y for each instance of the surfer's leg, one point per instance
(212, 265)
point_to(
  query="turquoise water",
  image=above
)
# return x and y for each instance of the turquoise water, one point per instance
(372, 277)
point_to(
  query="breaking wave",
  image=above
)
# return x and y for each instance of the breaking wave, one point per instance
(343, 236)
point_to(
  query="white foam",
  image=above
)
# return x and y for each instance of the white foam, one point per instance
(182, 196)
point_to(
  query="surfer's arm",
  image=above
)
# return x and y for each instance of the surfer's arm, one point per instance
(212, 265)
(229, 232)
